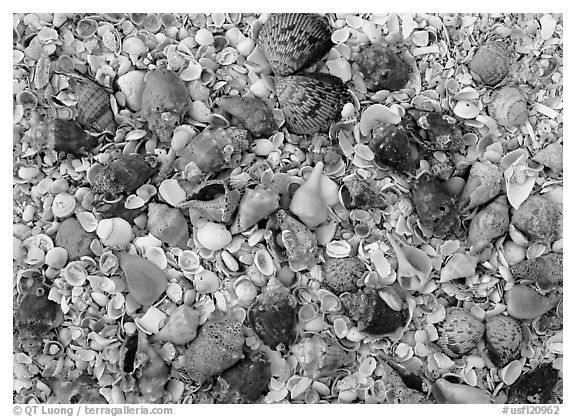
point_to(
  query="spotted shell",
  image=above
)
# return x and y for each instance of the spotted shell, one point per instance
(72, 237)
(441, 169)
(246, 381)
(392, 148)
(125, 174)
(341, 274)
(535, 387)
(545, 269)
(311, 102)
(94, 109)
(459, 333)
(439, 131)
(503, 339)
(292, 41)
(382, 69)
(490, 63)
(508, 107)
(360, 194)
(536, 218)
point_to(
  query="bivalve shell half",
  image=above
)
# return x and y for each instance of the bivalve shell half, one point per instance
(63, 205)
(72, 237)
(459, 333)
(491, 63)
(508, 107)
(115, 232)
(503, 339)
(312, 102)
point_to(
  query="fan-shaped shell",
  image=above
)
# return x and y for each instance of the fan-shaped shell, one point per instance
(311, 102)
(503, 339)
(508, 107)
(459, 333)
(292, 41)
(491, 62)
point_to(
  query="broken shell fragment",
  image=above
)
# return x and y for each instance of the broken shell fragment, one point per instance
(483, 184)
(382, 69)
(459, 333)
(206, 282)
(459, 265)
(299, 242)
(508, 107)
(214, 201)
(525, 303)
(252, 112)
(132, 85)
(503, 339)
(536, 217)
(491, 62)
(489, 223)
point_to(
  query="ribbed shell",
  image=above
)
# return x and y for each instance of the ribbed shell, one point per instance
(503, 339)
(312, 102)
(125, 174)
(293, 41)
(72, 237)
(508, 107)
(459, 333)
(341, 274)
(94, 110)
(491, 63)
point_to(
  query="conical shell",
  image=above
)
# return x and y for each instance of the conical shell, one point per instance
(292, 41)
(483, 184)
(503, 339)
(341, 274)
(307, 202)
(72, 237)
(508, 107)
(214, 201)
(392, 148)
(536, 218)
(311, 102)
(491, 62)
(94, 109)
(441, 169)
(459, 333)
(123, 175)
(382, 69)
(414, 265)
(252, 112)
(68, 136)
(256, 204)
(547, 269)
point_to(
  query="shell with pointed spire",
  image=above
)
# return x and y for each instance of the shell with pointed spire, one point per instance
(307, 203)
(94, 109)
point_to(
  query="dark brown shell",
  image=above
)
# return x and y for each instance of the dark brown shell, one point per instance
(94, 109)
(341, 274)
(72, 237)
(547, 269)
(439, 132)
(292, 41)
(459, 333)
(535, 387)
(360, 194)
(436, 208)
(252, 112)
(536, 218)
(116, 208)
(245, 382)
(123, 175)
(382, 69)
(503, 339)
(491, 63)
(68, 136)
(392, 148)
(311, 102)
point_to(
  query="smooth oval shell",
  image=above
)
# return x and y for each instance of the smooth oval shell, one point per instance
(88, 221)
(206, 282)
(508, 107)
(491, 62)
(115, 232)
(459, 333)
(213, 236)
(56, 257)
(503, 339)
(63, 205)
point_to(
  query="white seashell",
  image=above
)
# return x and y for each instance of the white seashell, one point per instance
(199, 111)
(56, 258)
(329, 190)
(181, 137)
(246, 47)
(175, 388)
(511, 372)
(213, 236)
(260, 89)
(315, 325)
(146, 192)
(555, 343)
(100, 298)
(245, 290)
(340, 68)
(189, 261)
(340, 328)
(171, 191)
(460, 265)
(262, 147)
(324, 234)
(151, 322)
(75, 274)
(206, 282)
(115, 232)
(466, 109)
(264, 262)
(229, 261)
(354, 335)
(329, 303)
(517, 192)
(338, 249)
(88, 221)
(376, 113)
(467, 93)
(191, 72)
(204, 37)
(27, 173)
(382, 266)
(157, 256)
(307, 312)
(132, 85)
(134, 202)
(63, 205)
(144, 242)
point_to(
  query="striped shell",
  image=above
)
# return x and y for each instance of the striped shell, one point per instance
(491, 63)
(441, 169)
(459, 333)
(94, 109)
(125, 174)
(503, 339)
(508, 107)
(72, 237)
(292, 41)
(341, 274)
(312, 102)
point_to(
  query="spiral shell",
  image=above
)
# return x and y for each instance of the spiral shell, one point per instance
(483, 184)
(490, 63)
(72, 237)
(292, 41)
(214, 201)
(123, 175)
(459, 333)
(311, 102)
(508, 107)
(382, 69)
(94, 109)
(489, 223)
(503, 339)
(341, 274)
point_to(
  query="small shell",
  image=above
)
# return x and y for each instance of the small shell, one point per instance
(188, 260)
(63, 205)
(483, 184)
(115, 232)
(56, 258)
(459, 265)
(329, 303)
(86, 28)
(338, 249)
(213, 236)
(157, 256)
(150, 322)
(307, 312)
(377, 114)
(503, 339)
(72, 237)
(392, 148)
(75, 274)
(88, 221)
(491, 63)
(264, 262)
(459, 333)
(547, 269)
(551, 157)
(171, 191)
(511, 372)
(246, 291)
(94, 108)
(508, 107)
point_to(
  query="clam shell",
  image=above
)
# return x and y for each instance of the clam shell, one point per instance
(86, 28)
(503, 339)
(459, 333)
(63, 205)
(292, 41)
(115, 232)
(94, 109)
(311, 102)
(491, 62)
(536, 218)
(382, 69)
(72, 237)
(125, 174)
(508, 107)
(342, 274)
(213, 236)
(56, 257)
(88, 221)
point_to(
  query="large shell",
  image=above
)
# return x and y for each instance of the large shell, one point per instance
(68, 136)
(319, 356)
(508, 107)
(491, 62)
(483, 184)
(360, 194)
(292, 41)
(382, 69)
(535, 387)
(245, 382)
(489, 223)
(256, 204)
(503, 339)
(72, 237)
(214, 201)
(446, 392)
(524, 303)
(551, 157)
(459, 333)
(396, 390)
(547, 269)
(94, 109)
(536, 217)
(123, 175)
(299, 242)
(439, 131)
(341, 274)
(311, 102)
(252, 112)
(168, 224)
(392, 148)
(145, 281)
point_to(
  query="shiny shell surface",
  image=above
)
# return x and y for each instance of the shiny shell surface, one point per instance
(491, 62)
(503, 339)
(459, 333)
(392, 148)
(508, 107)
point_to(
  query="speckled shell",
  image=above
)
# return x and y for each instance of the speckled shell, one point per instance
(536, 218)
(292, 41)
(311, 102)
(535, 387)
(168, 224)
(94, 110)
(68, 136)
(382, 69)
(508, 107)
(214, 201)
(435, 207)
(245, 382)
(341, 274)
(72, 237)
(123, 175)
(439, 132)
(359, 194)
(441, 169)
(320, 356)
(547, 269)
(459, 333)
(491, 62)
(252, 112)
(391, 148)
(503, 339)
(299, 242)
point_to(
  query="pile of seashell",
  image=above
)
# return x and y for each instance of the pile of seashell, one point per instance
(287, 208)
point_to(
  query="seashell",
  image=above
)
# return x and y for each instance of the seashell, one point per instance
(307, 202)
(443, 170)
(445, 392)
(69, 137)
(372, 314)
(123, 175)
(459, 265)
(382, 69)
(535, 387)
(214, 201)
(459, 333)
(165, 100)
(157, 256)
(273, 315)
(489, 223)
(215, 149)
(311, 102)
(491, 63)
(146, 192)
(435, 207)
(145, 281)
(94, 108)
(182, 136)
(171, 192)
(246, 291)
(168, 224)
(536, 218)
(357, 194)
(508, 107)
(206, 282)
(253, 114)
(56, 258)
(525, 303)
(342, 274)
(115, 232)
(246, 381)
(217, 347)
(338, 249)
(264, 262)
(132, 85)
(329, 303)
(503, 339)
(551, 157)
(117, 208)
(546, 269)
(154, 373)
(377, 114)
(414, 265)
(256, 204)
(483, 184)
(319, 357)
(63, 205)
(213, 236)
(27, 99)
(86, 28)
(72, 237)
(392, 148)
(292, 41)
(181, 326)
(394, 390)
(88, 221)
(150, 321)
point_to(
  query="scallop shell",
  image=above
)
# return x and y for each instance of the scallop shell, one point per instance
(382, 69)
(252, 112)
(292, 41)
(63, 205)
(342, 274)
(508, 107)
(311, 102)
(214, 201)
(123, 175)
(72, 237)
(392, 148)
(459, 333)
(491, 62)
(503, 339)
(94, 109)
(68, 136)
